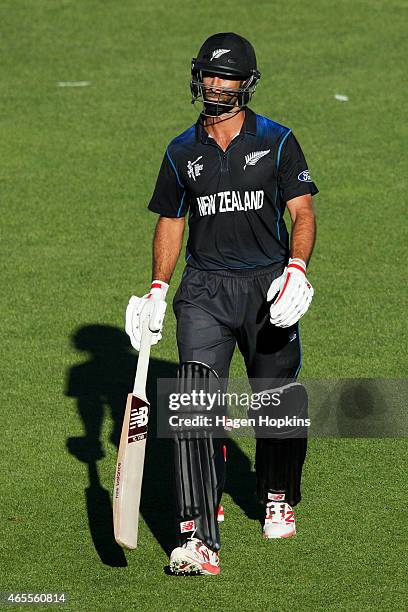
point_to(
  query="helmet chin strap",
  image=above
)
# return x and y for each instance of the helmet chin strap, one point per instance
(223, 116)
(212, 109)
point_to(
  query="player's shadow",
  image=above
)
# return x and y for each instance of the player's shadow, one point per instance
(103, 382)
(240, 482)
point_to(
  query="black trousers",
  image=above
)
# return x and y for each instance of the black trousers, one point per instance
(216, 311)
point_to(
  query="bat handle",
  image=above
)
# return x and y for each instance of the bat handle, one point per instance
(139, 388)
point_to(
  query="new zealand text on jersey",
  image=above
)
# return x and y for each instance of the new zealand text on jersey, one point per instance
(230, 201)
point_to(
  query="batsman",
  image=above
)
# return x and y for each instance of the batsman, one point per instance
(245, 282)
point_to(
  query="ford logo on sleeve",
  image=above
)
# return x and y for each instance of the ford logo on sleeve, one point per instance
(305, 177)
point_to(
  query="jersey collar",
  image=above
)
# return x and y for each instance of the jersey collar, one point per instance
(248, 127)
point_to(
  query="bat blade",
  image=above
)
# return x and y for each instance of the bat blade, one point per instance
(129, 471)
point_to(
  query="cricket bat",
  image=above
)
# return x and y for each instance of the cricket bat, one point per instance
(129, 466)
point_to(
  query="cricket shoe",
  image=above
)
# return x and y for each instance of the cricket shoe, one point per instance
(194, 558)
(279, 519)
(220, 514)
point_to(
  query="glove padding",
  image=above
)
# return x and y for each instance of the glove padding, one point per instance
(293, 294)
(151, 305)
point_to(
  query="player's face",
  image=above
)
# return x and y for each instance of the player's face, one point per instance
(218, 89)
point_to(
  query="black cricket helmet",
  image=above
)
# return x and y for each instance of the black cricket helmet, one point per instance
(228, 56)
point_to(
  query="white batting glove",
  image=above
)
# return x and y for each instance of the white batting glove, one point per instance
(293, 294)
(152, 305)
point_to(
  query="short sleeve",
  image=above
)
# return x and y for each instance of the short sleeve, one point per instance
(293, 174)
(169, 198)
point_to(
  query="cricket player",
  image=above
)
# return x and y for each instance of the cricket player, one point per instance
(245, 282)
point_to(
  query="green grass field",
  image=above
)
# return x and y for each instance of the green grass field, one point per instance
(77, 167)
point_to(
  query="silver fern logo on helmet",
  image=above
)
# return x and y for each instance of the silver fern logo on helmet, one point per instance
(218, 52)
(252, 158)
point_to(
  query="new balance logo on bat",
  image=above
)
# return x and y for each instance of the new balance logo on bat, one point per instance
(252, 158)
(139, 417)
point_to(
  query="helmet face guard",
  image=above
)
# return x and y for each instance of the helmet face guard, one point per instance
(221, 100)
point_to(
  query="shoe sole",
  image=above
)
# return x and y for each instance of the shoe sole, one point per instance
(288, 535)
(189, 568)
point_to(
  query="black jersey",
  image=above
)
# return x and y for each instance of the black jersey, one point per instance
(235, 199)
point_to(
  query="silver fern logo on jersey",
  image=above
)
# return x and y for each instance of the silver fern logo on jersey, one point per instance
(252, 158)
(218, 52)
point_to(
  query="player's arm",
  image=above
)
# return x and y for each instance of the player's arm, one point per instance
(303, 235)
(292, 293)
(167, 243)
(170, 201)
